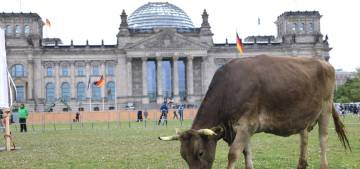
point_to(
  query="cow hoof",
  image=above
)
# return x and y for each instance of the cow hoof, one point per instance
(302, 165)
(324, 167)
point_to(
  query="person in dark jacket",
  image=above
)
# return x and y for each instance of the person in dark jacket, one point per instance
(139, 116)
(164, 111)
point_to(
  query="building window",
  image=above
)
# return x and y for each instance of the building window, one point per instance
(80, 71)
(27, 30)
(294, 27)
(17, 30)
(65, 71)
(110, 89)
(95, 92)
(50, 92)
(65, 91)
(17, 71)
(110, 70)
(95, 70)
(8, 30)
(49, 71)
(311, 27)
(302, 27)
(80, 88)
(20, 93)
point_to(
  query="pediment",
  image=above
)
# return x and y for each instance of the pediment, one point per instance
(166, 39)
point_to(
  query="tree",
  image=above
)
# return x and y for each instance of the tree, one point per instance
(350, 91)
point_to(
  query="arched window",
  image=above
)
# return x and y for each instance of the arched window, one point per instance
(80, 88)
(50, 92)
(95, 92)
(17, 30)
(65, 91)
(8, 30)
(110, 69)
(27, 30)
(110, 89)
(17, 70)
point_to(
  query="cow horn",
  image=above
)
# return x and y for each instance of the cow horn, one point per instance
(169, 138)
(206, 132)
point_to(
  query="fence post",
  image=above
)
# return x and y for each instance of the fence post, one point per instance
(7, 135)
(129, 118)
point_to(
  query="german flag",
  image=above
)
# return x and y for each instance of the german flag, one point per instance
(100, 82)
(239, 44)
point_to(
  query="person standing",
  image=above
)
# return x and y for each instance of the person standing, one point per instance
(23, 115)
(164, 111)
(181, 111)
(139, 116)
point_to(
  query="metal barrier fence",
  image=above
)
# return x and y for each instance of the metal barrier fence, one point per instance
(42, 121)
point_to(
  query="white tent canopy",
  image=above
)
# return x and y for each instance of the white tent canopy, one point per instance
(4, 82)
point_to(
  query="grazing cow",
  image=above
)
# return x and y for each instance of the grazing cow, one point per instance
(278, 95)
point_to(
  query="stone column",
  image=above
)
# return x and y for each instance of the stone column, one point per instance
(103, 88)
(37, 80)
(88, 75)
(73, 84)
(159, 80)
(190, 79)
(29, 89)
(129, 76)
(57, 80)
(121, 81)
(175, 78)
(102, 72)
(145, 98)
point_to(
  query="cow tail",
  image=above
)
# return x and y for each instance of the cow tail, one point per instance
(340, 129)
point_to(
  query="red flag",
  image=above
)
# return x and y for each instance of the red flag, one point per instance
(100, 82)
(239, 44)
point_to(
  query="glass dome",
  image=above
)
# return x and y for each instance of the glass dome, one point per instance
(159, 15)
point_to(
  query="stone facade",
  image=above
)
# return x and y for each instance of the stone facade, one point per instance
(43, 72)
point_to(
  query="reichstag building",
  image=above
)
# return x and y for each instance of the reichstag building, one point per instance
(159, 53)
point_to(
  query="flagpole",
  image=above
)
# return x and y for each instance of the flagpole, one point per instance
(103, 100)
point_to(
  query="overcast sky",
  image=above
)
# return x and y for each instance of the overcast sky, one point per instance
(100, 19)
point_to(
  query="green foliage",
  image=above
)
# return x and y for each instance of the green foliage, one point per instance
(350, 91)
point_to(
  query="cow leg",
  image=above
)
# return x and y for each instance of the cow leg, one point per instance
(303, 149)
(247, 155)
(323, 137)
(238, 145)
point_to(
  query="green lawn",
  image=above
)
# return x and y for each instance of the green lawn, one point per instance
(114, 145)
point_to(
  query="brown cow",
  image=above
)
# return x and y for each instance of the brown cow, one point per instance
(278, 95)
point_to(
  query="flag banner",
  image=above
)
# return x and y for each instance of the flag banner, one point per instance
(4, 83)
(100, 82)
(239, 44)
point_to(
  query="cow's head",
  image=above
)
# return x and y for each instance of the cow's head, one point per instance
(197, 146)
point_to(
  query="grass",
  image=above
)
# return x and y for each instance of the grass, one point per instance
(110, 145)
